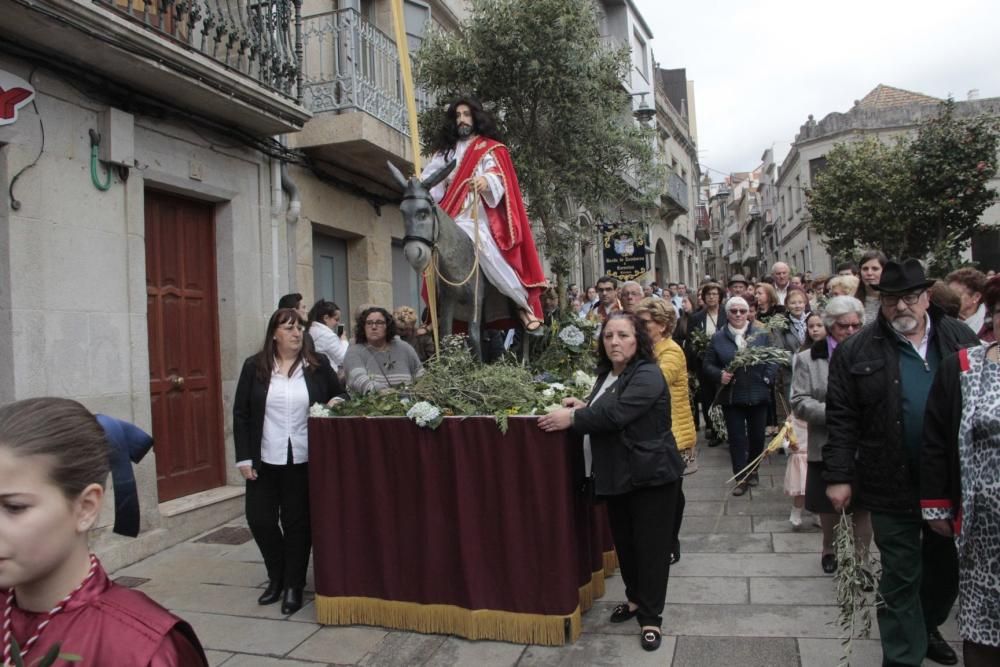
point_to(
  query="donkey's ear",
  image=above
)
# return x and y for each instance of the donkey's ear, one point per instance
(397, 174)
(438, 176)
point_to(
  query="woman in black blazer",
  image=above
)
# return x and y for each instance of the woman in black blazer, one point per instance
(636, 466)
(270, 417)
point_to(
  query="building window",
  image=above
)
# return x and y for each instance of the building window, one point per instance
(798, 193)
(639, 55)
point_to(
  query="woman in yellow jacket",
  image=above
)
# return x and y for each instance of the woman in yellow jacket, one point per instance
(660, 318)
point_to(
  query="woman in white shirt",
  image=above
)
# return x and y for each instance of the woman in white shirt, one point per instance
(270, 430)
(324, 319)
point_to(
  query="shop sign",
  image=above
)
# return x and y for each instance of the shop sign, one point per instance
(15, 93)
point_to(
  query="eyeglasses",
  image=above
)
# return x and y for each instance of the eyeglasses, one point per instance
(894, 299)
(292, 327)
(738, 311)
(850, 325)
(375, 324)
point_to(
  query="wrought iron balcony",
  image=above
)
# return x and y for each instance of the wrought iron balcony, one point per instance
(677, 189)
(260, 39)
(350, 65)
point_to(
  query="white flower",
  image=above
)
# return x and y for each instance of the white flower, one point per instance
(318, 410)
(423, 413)
(548, 393)
(557, 386)
(404, 401)
(572, 336)
(583, 380)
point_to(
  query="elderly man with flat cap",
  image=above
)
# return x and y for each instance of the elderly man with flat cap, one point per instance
(738, 285)
(878, 386)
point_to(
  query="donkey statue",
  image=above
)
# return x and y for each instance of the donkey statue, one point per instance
(463, 290)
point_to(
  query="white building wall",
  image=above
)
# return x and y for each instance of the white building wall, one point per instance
(72, 260)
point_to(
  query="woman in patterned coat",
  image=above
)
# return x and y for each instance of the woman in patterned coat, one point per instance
(960, 482)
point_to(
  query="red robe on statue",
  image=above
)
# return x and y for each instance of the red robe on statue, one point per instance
(508, 222)
(109, 625)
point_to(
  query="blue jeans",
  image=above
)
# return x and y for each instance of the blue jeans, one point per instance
(745, 424)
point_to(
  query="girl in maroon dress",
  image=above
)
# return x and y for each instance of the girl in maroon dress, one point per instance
(54, 460)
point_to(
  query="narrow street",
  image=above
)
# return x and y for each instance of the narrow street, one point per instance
(748, 591)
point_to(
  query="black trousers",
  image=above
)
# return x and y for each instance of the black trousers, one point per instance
(675, 546)
(745, 424)
(703, 400)
(277, 505)
(642, 525)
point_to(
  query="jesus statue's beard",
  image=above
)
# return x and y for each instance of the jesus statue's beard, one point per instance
(464, 131)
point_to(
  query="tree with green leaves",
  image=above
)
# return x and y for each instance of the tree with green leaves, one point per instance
(919, 197)
(555, 89)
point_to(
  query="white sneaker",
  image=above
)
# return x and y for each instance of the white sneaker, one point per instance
(795, 518)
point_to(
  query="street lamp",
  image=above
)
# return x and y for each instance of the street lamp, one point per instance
(645, 113)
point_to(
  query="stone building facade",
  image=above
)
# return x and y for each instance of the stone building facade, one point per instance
(885, 112)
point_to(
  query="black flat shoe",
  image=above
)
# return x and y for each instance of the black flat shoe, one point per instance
(939, 651)
(271, 594)
(829, 563)
(753, 479)
(650, 640)
(622, 613)
(291, 601)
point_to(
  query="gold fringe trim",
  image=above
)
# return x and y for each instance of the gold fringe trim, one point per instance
(547, 630)
(610, 562)
(592, 591)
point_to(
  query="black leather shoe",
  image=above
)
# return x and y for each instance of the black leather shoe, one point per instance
(271, 594)
(829, 563)
(291, 601)
(622, 613)
(650, 640)
(938, 649)
(753, 479)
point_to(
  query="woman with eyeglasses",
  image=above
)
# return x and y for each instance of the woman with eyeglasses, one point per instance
(270, 431)
(379, 359)
(843, 317)
(745, 392)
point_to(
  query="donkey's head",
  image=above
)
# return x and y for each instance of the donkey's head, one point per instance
(419, 215)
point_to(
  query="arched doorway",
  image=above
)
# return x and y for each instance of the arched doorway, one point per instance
(661, 263)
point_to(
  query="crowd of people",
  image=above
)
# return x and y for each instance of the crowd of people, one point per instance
(893, 397)
(892, 394)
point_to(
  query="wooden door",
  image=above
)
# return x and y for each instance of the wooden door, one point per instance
(182, 317)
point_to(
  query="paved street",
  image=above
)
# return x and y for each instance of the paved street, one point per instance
(748, 591)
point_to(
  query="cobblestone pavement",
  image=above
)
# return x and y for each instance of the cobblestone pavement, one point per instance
(748, 591)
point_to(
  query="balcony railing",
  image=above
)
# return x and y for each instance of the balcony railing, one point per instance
(350, 65)
(258, 38)
(677, 189)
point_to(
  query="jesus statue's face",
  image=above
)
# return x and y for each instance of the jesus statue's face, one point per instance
(463, 118)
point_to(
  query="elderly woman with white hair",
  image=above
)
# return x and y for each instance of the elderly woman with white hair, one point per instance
(844, 316)
(745, 392)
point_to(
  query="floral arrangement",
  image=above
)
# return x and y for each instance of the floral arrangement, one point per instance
(567, 347)
(425, 414)
(451, 385)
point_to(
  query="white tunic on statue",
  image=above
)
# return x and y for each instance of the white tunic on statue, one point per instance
(495, 267)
